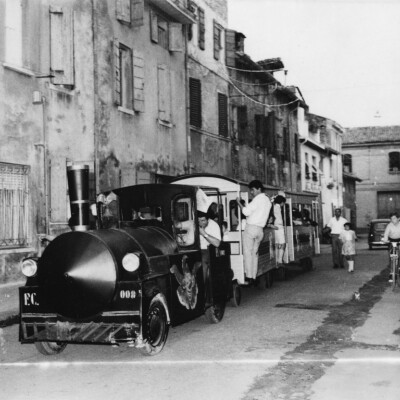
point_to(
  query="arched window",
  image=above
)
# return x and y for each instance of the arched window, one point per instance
(347, 163)
(394, 161)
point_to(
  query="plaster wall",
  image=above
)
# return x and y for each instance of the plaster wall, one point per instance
(135, 142)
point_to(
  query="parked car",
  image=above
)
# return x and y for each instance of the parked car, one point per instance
(376, 230)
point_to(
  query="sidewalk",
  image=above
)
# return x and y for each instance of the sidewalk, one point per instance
(9, 303)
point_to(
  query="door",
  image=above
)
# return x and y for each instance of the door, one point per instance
(236, 225)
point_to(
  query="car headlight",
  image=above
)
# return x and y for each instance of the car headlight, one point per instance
(131, 262)
(29, 267)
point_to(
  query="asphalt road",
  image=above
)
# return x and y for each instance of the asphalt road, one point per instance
(304, 338)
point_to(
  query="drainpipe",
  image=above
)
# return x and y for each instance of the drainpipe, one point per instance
(188, 138)
(95, 82)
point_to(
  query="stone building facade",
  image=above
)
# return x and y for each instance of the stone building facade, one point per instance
(373, 154)
(98, 82)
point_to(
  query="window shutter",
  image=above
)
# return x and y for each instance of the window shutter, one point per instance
(230, 43)
(222, 115)
(202, 29)
(217, 40)
(270, 142)
(138, 81)
(137, 13)
(175, 37)
(117, 73)
(195, 102)
(153, 27)
(242, 123)
(61, 46)
(164, 92)
(123, 10)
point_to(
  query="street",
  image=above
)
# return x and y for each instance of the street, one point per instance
(304, 338)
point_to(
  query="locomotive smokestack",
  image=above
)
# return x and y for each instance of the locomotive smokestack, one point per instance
(78, 186)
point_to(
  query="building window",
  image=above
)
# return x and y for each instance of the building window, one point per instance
(159, 30)
(222, 115)
(14, 205)
(13, 32)
(271, 133)
(314, 169)
(202, 29)
(286, 143)
(347, 163)
(307, 166)
(242, 123)
(128, 78)
(394, 162)
(217, 40)
(195, 102)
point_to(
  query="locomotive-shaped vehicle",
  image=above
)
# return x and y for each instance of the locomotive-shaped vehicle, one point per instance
(127, 280)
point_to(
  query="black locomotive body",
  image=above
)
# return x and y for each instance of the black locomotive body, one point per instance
(129, 279)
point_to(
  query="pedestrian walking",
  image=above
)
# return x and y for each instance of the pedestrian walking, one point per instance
(336, 224)
(256, 212)
(348, 238)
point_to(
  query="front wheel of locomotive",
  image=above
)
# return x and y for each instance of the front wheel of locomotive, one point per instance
(50, 348)
(215, 313)
(155, 328)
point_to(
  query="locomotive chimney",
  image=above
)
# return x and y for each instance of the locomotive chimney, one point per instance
(78, 186)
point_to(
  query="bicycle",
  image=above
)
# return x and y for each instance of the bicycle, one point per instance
(394, 263)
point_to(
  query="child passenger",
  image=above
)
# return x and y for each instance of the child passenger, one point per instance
(348, 238)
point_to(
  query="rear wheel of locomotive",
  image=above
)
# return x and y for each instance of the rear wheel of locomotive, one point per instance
(155, 328)
(236, 295)
(50, 348)
(215, 313)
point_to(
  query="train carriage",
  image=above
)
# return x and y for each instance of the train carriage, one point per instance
(128, 280)
(300, 216)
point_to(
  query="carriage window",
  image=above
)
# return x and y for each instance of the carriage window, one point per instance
(183, 225)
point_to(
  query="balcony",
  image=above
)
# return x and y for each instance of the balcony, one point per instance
(177, 9)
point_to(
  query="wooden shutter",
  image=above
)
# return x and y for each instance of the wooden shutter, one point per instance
(117, 73)
(230, 45)
(195, 102)
(164, 92)
(138, 81)
(153, 27)
(222, 115)
(217, 40)
(62, 46)
(202, 28)
(123, 10)
(260, 122)
(242, 123)
(175, 37)
(137, 15)
(271, 133)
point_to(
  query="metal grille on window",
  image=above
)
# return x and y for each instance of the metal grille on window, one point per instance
(14, 200)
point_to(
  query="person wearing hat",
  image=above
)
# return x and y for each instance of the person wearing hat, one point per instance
(336, 225)
(256, 213)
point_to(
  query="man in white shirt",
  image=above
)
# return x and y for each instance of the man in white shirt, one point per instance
(256, 213)
(336, 224)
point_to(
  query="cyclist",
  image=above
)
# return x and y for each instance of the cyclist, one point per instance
(392, 233)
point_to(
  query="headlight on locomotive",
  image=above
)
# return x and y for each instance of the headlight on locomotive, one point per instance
(131, 262)
(29, 267)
